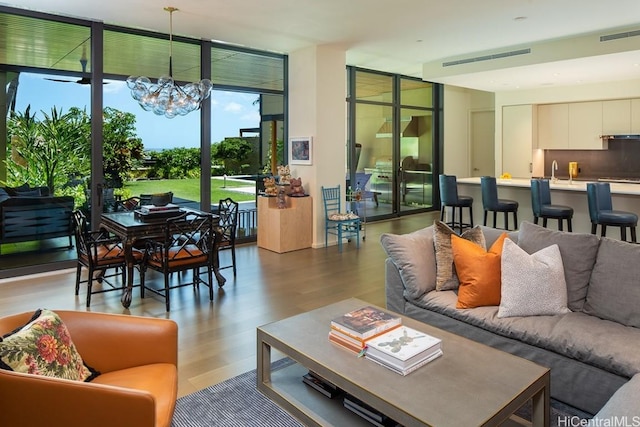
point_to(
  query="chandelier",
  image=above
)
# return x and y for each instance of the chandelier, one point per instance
(166, 97)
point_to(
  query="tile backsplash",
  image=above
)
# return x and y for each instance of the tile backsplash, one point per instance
(620, 160)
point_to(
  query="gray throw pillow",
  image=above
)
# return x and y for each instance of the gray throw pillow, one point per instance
(413, 255)
(578, 253)
(532, 285)
(614, 290)
(446, 277)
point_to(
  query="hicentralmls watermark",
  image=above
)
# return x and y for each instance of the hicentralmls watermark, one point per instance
(622, 421)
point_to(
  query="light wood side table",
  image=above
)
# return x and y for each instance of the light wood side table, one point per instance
(285, 230)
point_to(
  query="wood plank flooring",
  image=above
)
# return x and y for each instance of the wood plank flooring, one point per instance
(217, 340)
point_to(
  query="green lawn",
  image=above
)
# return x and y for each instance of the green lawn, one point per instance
(190, 188)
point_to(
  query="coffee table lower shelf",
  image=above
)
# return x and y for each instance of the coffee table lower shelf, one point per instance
(306, 404)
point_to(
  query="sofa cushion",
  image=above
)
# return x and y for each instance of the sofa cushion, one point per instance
(568, 334)
(446, 277)
(614, 289)
(413, 255)
(532, 285)
(29, 193)
(478, 271)
(578, 253)
(13, 190)
(4, 195)
(44, 347)
(622, 408)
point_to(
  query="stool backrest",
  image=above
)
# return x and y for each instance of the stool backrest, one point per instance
(540, 195)
(448, 189)
(489, 192)
(599, 198)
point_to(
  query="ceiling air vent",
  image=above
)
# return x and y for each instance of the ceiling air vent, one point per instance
(624, 35)
(487, 57)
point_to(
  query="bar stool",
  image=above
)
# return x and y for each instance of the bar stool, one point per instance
(602, 213)
(491, 203)
(449, 197)
(542, 207)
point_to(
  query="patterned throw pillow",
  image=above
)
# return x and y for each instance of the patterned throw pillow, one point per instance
(43, 347)
(446, 278)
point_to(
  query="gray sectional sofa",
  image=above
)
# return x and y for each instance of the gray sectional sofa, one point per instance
(592, 351)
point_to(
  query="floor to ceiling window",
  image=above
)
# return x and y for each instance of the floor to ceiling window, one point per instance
(393, 136)
(50, 61)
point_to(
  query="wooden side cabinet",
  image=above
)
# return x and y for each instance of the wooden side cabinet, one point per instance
(285, 230)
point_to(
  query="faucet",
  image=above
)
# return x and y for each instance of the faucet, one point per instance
(554, 168)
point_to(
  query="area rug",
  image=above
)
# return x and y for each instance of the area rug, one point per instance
(237, 403)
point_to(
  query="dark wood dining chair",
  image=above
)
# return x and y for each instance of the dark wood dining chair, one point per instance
(187, 244)
(102, 253)
(226, 230)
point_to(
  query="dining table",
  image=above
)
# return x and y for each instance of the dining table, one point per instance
(132, 227)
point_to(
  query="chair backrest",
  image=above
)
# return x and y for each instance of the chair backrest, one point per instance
(228, 222)
(599, 199)
(81, 228)
(540, 195)
(95, 247)
(188, 238)
(332, 200)
(489, 192)
(159, 199)
(448, 189)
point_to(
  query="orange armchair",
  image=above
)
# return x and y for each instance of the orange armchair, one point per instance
(137, 386)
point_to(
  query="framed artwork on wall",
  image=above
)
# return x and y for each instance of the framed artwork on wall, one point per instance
(300, 150)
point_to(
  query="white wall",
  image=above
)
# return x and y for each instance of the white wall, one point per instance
(458, 103)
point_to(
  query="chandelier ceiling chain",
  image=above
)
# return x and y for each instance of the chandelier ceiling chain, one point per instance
(166, 97)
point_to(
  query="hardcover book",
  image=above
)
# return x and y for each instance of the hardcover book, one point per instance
(406, 370)
(365, 322)
(403, 346)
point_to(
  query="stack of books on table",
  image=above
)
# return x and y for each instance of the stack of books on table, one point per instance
(352, 330)
(320, 384)
(403, 349)
(150, 209)
(367, 412)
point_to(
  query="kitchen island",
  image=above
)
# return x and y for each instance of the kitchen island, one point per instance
(625, 197)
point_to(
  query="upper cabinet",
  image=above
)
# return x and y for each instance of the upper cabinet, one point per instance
(585, 125)
(616, 117)
(553, 126)
(635, 116)
(580, 125)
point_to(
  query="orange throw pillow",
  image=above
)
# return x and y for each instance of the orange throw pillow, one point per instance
(478, 271)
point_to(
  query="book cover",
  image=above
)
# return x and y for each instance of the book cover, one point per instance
(365, 322)
(407, 370)
(403, 346)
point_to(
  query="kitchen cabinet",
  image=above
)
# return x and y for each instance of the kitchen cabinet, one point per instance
(585, 125)
(518, 134)
(616, 117)
(635, 116)
(553, 126)
(573, 126)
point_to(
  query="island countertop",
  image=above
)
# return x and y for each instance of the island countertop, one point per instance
(625, 197)
(561, 184)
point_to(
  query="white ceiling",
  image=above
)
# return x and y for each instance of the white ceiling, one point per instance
(396, 36)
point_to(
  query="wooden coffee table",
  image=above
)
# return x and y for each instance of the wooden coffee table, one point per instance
(470, 385)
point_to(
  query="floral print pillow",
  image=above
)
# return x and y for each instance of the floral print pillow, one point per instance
(44, 347)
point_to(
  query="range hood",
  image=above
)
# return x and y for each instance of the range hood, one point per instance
(621, 136)
(408, 127)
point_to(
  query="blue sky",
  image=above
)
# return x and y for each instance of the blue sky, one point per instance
(231, 111)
